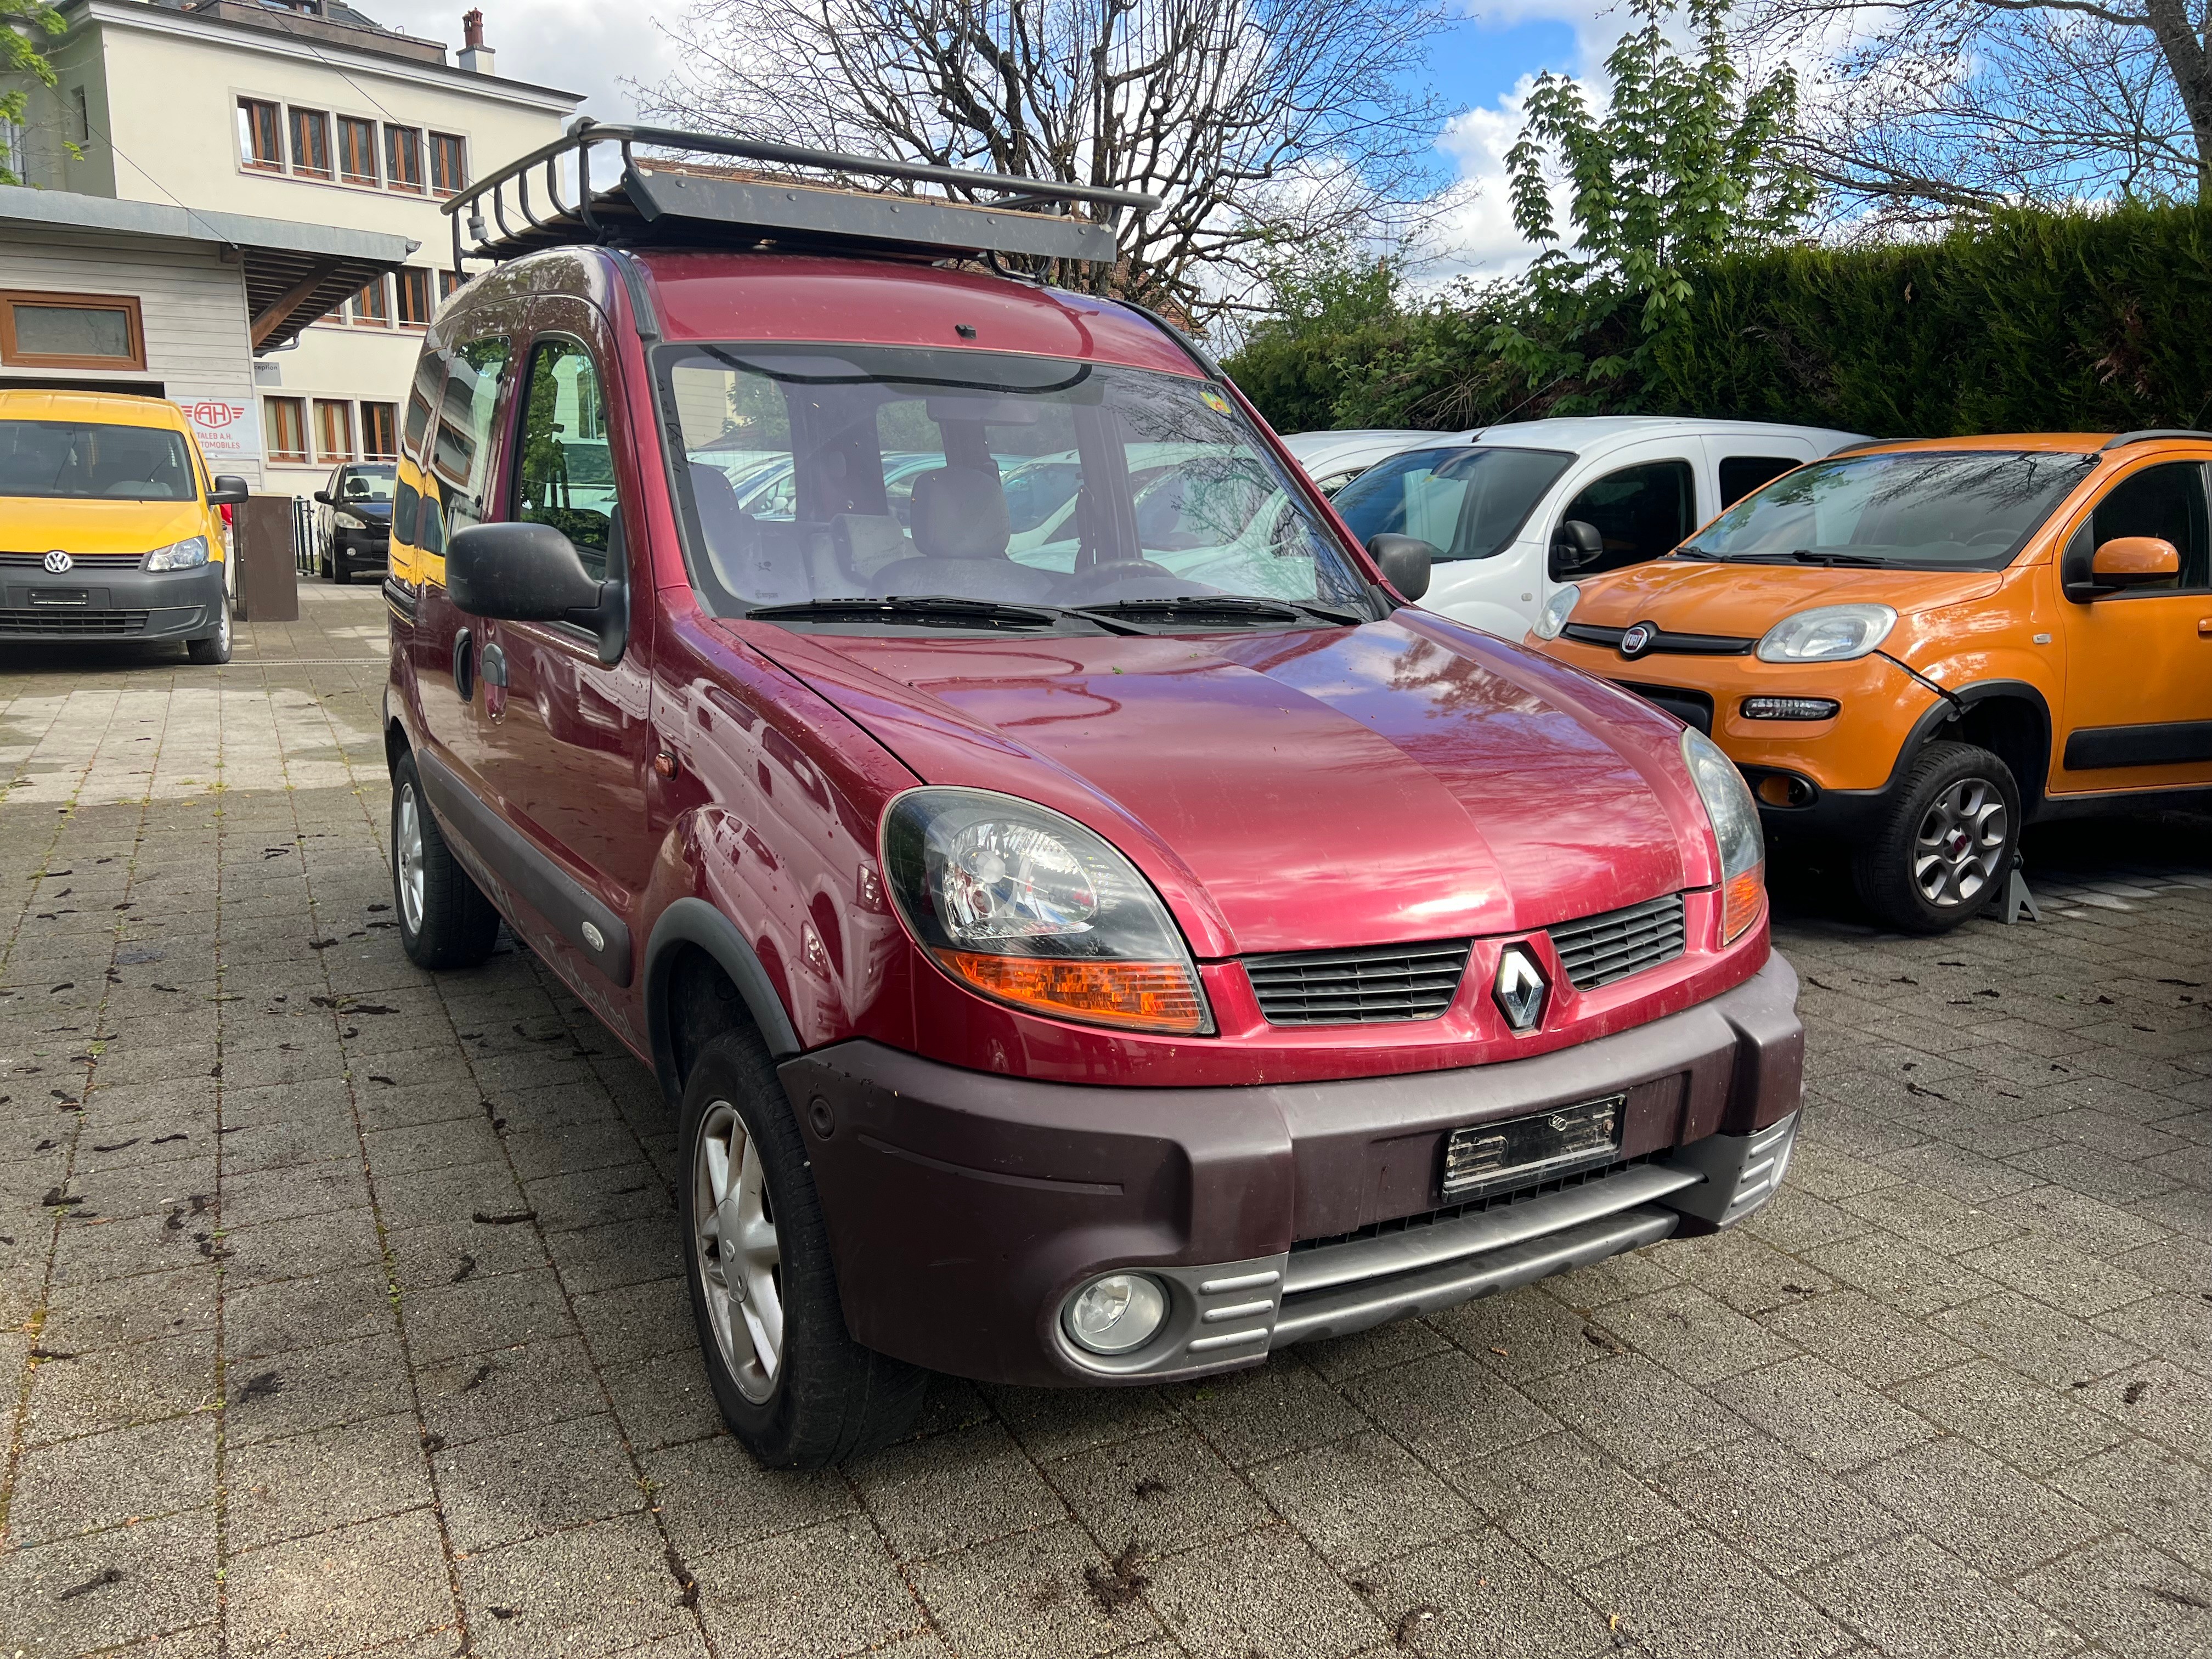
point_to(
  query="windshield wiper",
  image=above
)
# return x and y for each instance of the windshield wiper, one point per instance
(929, 610)
(1226, 604)
(1686, 551)
(1808, 555)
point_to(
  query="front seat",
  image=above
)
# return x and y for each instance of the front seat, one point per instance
(960, 528)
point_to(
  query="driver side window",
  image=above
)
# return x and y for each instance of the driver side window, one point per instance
(1640, 513)
(2165, 502)
(564, 474)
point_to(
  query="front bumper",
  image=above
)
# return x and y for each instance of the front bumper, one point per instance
(362, 548)
(90, 603)
(963, 1207)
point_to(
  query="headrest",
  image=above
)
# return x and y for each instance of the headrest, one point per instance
(865, 543)
(960, 512)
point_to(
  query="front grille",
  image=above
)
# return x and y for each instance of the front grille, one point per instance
(1496, 1200)
(74, 623)
(77, 561)
(1679, 645)
(1599, 949)
(1352, 987)
(1691, 708)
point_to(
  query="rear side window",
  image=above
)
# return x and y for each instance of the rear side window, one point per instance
(1741, 474)
(460, 454)
(563, 476)
(1639, 512)
(406, 507)
(422, 400)
(2164, 502)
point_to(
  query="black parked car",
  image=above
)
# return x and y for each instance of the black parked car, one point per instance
(353, 520)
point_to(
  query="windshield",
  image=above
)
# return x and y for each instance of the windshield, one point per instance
(1467, 503)
(370, 483)
(833, 475)
(86, 460)
(1923, 510)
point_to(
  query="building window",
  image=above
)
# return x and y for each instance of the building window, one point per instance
(356, 150)
(414, 286)
(310, 143)
(334, 429)
(11, 151)
(380, 432)
(260, 134)
(403, 158)
(287, 421)
(447, 174)
(81, 112)
(449, 283)
(371, 309)
(71, 331)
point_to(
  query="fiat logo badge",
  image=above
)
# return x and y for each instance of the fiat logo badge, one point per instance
(1638, 640)
(57, 561)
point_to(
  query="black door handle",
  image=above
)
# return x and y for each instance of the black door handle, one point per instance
(465, 673)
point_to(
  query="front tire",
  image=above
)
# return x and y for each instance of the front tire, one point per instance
(445, 920)
(1947, 845)
(339, 574)
(791, 1382)
(214, 651)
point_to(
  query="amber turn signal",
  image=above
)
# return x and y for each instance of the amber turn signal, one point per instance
(1149, 996)
(1741, 897)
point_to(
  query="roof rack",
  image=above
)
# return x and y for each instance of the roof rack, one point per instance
(2149, 433)
(647, 204)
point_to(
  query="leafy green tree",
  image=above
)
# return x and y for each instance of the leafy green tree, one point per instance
(19, 19)
(1684, 165)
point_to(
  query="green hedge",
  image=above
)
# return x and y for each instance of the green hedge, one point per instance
(2029, 321)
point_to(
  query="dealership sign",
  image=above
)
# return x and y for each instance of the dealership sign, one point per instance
(228, 430)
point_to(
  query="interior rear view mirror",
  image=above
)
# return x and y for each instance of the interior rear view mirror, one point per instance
(1576, 546)
(1404, 561)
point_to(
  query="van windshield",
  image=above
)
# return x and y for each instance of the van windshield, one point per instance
(92, 460)
(1920, 510)
(1468, 501)
(821, 477)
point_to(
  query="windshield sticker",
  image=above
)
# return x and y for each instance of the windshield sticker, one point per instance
(1213, 400)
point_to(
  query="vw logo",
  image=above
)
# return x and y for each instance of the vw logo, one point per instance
(1638, 640)
(1520, 990)
(57, 561)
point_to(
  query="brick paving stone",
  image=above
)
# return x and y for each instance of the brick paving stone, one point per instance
(1964, 1362)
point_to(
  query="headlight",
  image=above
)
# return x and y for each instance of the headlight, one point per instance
(1736, 827)
(1831, 633)
(187, 555)
(347, 521)
(1029, 907)
(1556, 609)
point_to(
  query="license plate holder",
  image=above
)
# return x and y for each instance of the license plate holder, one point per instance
(68, 596)
(1523, 1151)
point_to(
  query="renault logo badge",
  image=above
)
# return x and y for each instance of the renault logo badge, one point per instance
(1521, 989)
(57, 561)
(1638, 640)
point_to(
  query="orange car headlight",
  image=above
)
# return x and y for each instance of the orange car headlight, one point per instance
(1025, 906)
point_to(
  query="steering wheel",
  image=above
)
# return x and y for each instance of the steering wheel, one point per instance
(1087, 585)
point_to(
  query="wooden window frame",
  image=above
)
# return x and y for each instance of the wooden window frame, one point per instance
(278, 457)
(461, 148)
(296, 115)
(332, 457)
(250, 110)
(418, 279)
(352, 126)
(391, 421)
(15, 357)
(363, 318)
(419, 185)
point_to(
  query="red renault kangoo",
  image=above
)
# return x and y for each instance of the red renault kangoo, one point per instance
(1090, 925)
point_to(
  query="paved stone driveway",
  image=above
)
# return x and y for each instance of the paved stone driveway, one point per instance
(340, 1305)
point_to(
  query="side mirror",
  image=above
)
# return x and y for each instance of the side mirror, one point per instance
(323, 496)
(522, 572)
(228, 491)
(1404, 561)
(1576, 546)
(2133, 560)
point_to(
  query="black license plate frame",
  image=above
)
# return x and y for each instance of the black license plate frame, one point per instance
(73, 598)
(1480, 1158)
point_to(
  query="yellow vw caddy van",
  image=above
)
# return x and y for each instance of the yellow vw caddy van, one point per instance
(111, 525)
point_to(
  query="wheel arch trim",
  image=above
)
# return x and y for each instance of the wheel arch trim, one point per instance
(1957, 701)
(689, 920)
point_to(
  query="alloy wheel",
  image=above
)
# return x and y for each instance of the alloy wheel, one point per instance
(408, 850)
(1961, 840)
(741, 1259)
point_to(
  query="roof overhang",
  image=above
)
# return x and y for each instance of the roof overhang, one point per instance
(294, 273)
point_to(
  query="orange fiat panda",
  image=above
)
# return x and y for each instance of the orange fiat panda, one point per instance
(1916, 648)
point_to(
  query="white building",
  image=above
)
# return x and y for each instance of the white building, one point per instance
(306, 114)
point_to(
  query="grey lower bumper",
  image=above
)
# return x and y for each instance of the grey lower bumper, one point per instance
(94, 603)
(1237, 1309)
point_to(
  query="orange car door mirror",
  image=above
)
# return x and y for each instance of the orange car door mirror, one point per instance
(2134, 562)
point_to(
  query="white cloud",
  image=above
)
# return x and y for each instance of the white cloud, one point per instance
(1474, 236)
(578, 45)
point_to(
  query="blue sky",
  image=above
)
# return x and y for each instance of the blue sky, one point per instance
(590, 46)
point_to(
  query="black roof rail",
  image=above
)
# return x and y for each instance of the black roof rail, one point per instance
(1863, 443)
(2149, 433)
(645, 204)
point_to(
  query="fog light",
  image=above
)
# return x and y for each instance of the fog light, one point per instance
(1784, 789)
(1789, 709)
(1116, 1313)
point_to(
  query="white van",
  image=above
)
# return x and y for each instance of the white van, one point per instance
(1516, 513)
(1334, 459)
